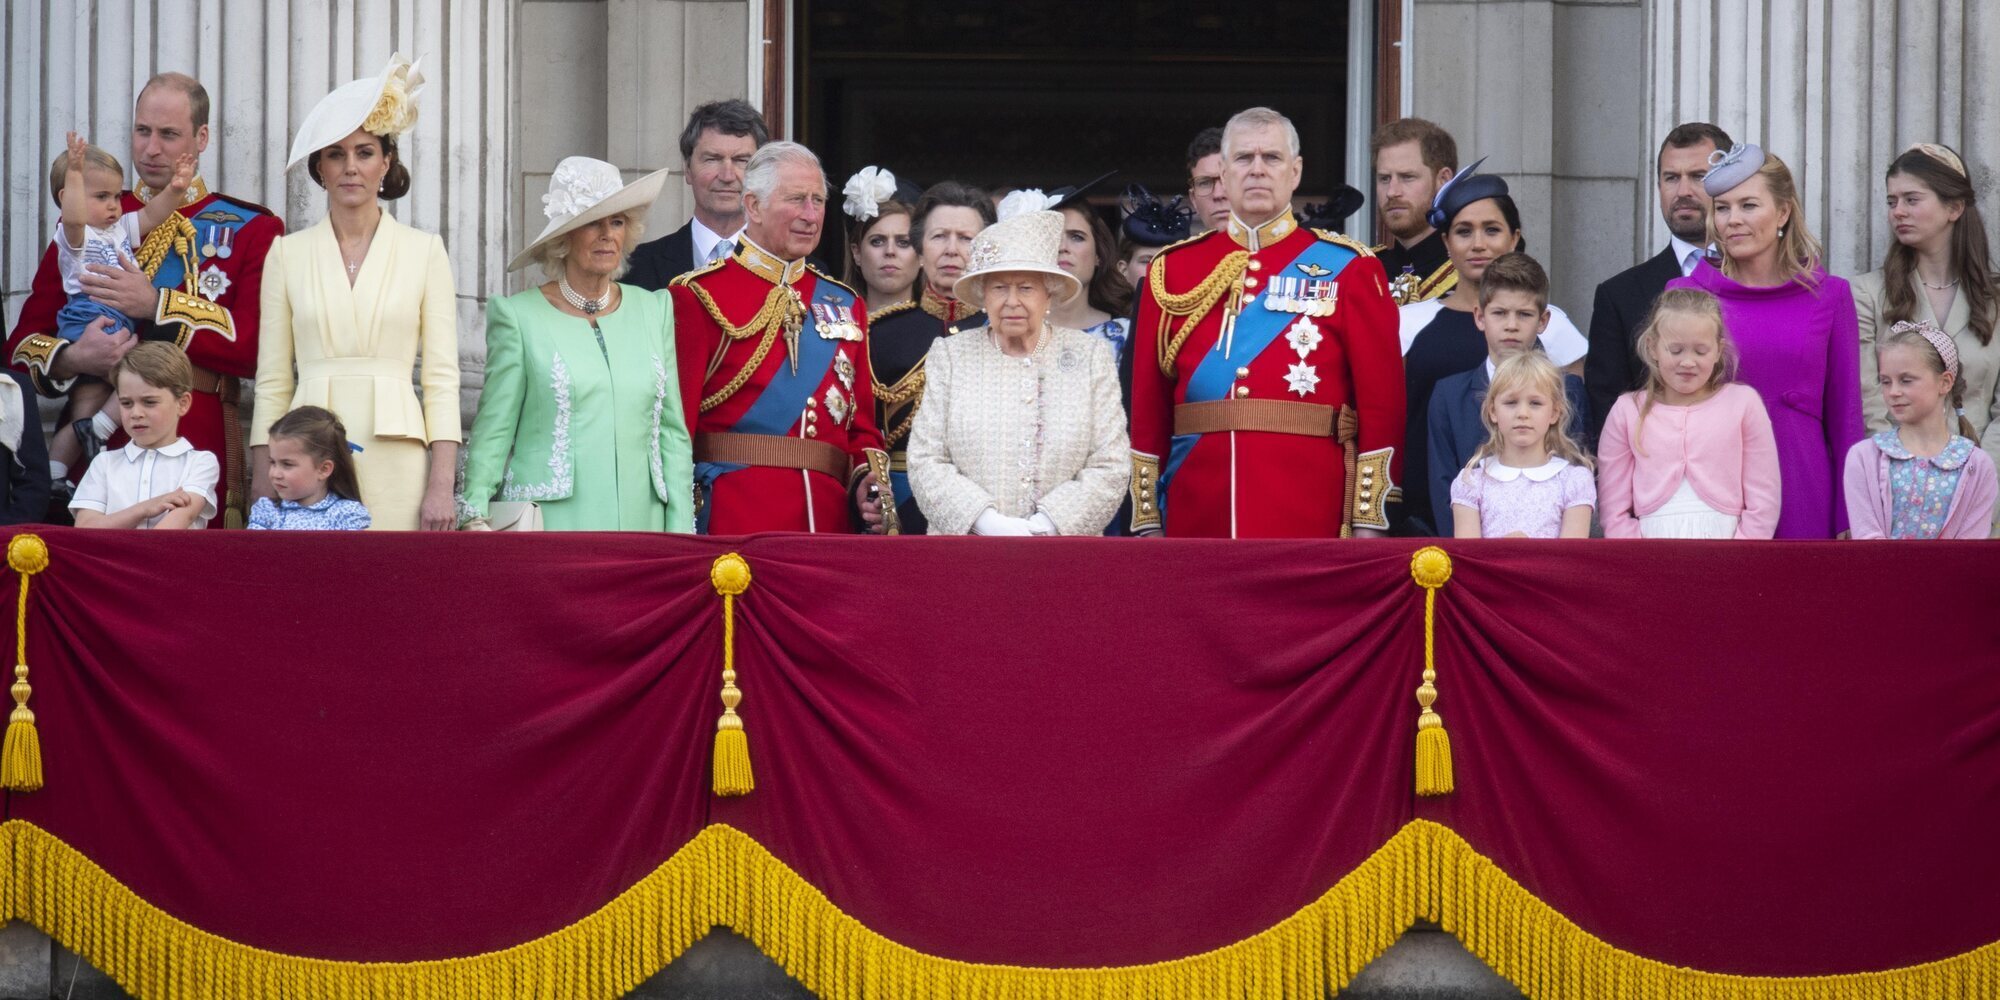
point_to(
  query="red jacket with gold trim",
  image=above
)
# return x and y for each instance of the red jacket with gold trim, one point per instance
(742, 326)
(1282, 314)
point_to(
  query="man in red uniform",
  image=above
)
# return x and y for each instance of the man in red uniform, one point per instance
(774, 368)
(1267, 377)
(196, 283)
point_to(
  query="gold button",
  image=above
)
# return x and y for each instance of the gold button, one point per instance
(1242, 391)
(1256, 265)
(1249, 282)
(812, 431)
(810, 402)
(1363, 505)
(1242, 373)
(1145, 508)
(812, 415)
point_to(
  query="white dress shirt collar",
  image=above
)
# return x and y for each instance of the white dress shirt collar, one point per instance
(705, 240)
(181, 446)
(1685, 254)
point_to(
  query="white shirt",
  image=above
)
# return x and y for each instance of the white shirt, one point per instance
(1687, 253)
(101, 248)
(119, 479)
(705, 240)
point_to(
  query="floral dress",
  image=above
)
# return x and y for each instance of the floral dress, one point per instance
(1921, 489)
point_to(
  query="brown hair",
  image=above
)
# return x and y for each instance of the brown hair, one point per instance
(197, 94)
(1109, 291)
(1207, 143)
(159, 364)
(851, 274)
(1438, 148)
(1515, 272)
(1535, 370)
(324, 438)
(1680, 302)
(395, 184)
(1971, 262)
(1799, 254)
(93, 157)
(1913, 338)
(1692, 134)
(948, 194)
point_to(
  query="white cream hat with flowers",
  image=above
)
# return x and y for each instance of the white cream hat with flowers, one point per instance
(378, 105)
(1028, 242)
(584, 190)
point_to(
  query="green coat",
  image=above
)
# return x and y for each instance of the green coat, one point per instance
(595, 435)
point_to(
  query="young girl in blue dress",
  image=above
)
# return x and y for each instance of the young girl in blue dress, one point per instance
(1924, 477)
(312, 473)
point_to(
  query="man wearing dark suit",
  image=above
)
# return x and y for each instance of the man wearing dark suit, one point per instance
(1613, 366)
(715, 147)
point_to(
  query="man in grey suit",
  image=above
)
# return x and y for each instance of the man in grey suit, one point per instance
(716, 146)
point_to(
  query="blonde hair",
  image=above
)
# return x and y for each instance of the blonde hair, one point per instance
(553, 255)
(1799, 253)
(1695, 304)
(1912, 337)
(158, 364)
(93, 159)
(1530, 370)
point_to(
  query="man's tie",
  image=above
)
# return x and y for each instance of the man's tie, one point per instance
(721, 249)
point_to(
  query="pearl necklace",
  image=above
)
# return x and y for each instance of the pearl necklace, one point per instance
(1947, 286)
(589, 307)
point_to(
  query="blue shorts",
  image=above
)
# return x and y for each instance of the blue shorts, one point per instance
(80, 311)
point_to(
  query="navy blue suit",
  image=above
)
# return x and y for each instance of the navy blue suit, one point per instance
(1456, 431)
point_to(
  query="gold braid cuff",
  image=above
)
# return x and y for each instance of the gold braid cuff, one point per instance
(1145, 492)
(35, 353)
(196, 312)
(1192, 305)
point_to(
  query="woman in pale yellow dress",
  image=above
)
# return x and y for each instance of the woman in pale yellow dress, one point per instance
(351, 304)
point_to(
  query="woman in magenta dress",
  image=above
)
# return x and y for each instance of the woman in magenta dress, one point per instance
(1795, 328)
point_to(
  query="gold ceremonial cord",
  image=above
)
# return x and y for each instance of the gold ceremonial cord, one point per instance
(1193, 304)
(777, 310)
(176, 235)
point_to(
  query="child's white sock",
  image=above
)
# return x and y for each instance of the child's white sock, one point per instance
(58, 471)
(103, 424)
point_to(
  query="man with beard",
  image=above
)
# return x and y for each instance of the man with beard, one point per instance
(774, 370)
(1413, 158)
(1613, 366)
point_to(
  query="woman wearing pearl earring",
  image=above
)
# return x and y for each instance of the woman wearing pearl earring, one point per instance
(1794, 327)
(354, 304)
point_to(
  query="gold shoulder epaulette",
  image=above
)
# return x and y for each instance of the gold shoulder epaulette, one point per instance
(823, 276)
(688, 276)
(890, 310)
(1196, 238)
(1349, 242)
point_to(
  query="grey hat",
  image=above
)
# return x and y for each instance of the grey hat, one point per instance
(1728, 169)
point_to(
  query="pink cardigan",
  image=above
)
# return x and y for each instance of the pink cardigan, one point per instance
(1867, 484)
(1723, 447)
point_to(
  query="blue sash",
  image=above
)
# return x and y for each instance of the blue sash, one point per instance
(1256, 328)
(216, 218)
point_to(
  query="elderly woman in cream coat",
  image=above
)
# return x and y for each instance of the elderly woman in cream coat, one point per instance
(1021, 431)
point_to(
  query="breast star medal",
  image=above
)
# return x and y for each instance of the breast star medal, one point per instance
(1302, 378)
(212, 284)
(1304, 336)
(836, 405)
(843, 369)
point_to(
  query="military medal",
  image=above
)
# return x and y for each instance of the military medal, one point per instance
(228, 244)
(208, 245)
(212, 284)
(843, 369)
(1302, 378)
(1404, 285)
(1310, 296)
(1304, 336)
(836, 406)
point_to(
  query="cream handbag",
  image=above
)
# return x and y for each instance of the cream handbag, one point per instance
(509, 515)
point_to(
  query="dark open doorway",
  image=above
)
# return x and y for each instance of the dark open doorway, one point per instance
(1038, 93)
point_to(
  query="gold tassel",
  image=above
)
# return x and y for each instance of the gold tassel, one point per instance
(731, 577)
(1430, 567)
(21, 754)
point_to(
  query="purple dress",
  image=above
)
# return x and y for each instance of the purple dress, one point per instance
(1801, 351)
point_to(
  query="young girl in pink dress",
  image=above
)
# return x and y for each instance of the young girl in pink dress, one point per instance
(1692, 454)
(1529, 480)
(1923, 477)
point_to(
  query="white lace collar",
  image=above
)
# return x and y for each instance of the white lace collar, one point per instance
(1539, 474)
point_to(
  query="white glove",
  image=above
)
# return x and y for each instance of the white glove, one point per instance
(1040, 524)
(992, 522)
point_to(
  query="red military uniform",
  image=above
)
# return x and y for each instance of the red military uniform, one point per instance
(774, 374)
(1267, 387)
(208, 262)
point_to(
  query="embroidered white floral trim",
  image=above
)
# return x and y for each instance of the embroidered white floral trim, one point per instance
(562, 479)
(866, 191)
(659, 410)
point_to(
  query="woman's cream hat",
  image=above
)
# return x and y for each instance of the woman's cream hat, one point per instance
(379, 105)
(1026, 242)
(582, 191)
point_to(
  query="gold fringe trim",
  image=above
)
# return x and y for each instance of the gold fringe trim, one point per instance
(723, 877)
(730, 575)
(1430, 567)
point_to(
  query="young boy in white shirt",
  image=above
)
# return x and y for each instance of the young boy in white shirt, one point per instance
(159, 480)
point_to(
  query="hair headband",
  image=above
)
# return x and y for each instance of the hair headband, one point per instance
(1941, 341)
(1942, 155)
